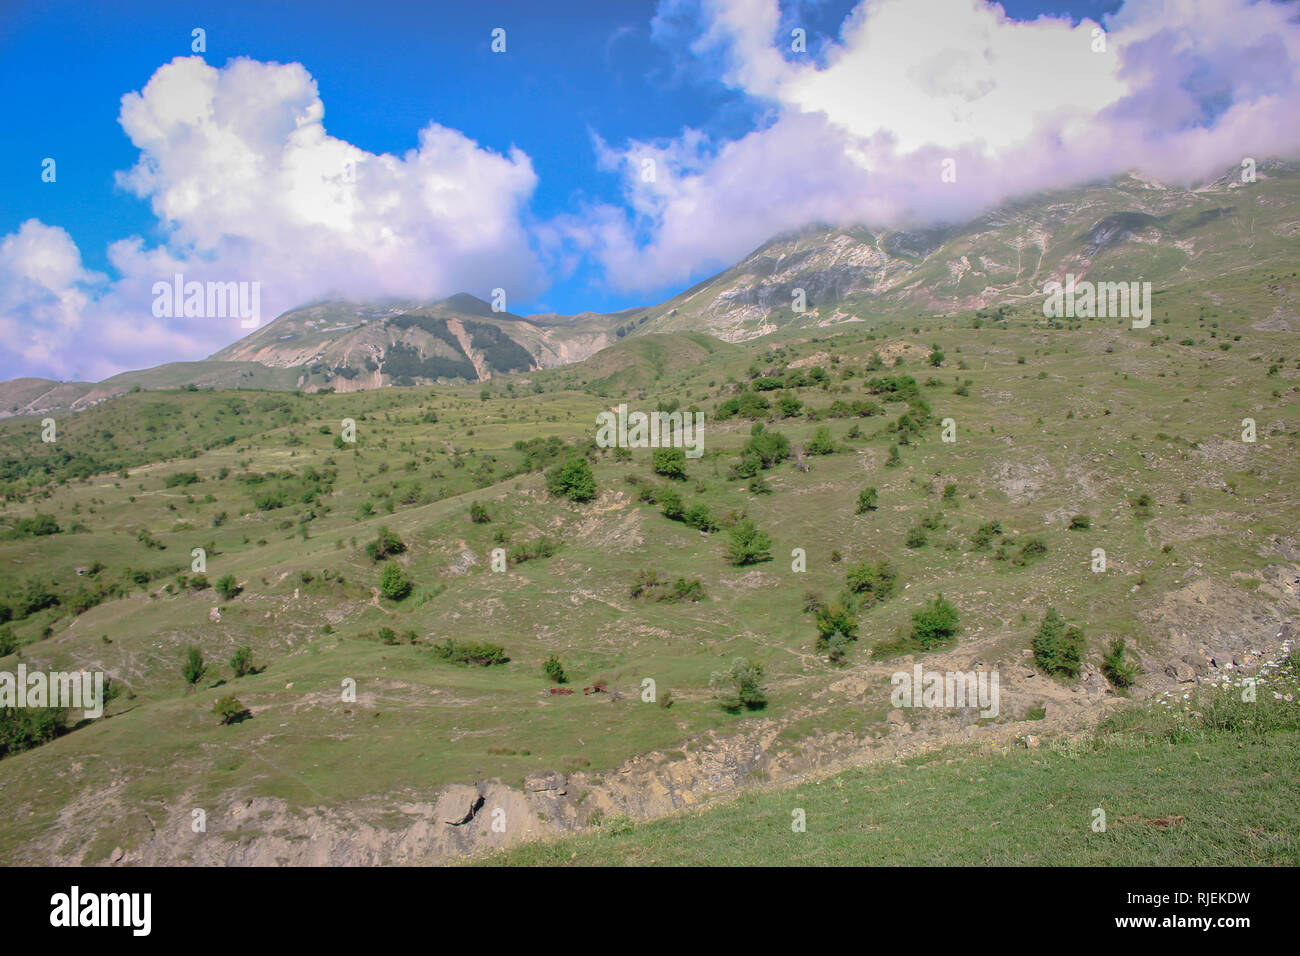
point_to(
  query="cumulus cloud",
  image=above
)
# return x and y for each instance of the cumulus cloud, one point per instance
(248, 186)
(1182, 90)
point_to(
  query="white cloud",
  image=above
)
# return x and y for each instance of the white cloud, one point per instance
(248, 186)
(1183, 90)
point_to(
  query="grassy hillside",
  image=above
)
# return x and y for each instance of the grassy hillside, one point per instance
(1053, 420)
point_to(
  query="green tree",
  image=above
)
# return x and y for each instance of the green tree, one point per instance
(866, 501)
(670, 462)
(573, 480)
(1058, 649)
(227, 586)
(230, 710)
(554, 670)
(242, 662)
(739, 686)
(935, 624)
(746, 544)
(821, 443)
(193, 669)
(393, 583)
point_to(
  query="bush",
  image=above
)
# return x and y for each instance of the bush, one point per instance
(739, 686)
(1142, 505)
(984, 535)
(573, 480)
(227, 586)
(934, 625)
(242, 662)
(697, 516)
(669, 462)
(670, 502)
(386, 544)
(746, 544)
(393, 582)
(1058, 649)
(916, 538)
(821, 442)
(866, 501)
(1118, 670)
(478, 514)
(543, 547)
(895, 458)
(833, 618)
(1080, 523)
(230, 710)
(8, 640)
(554, 670)
(1032, 548)
(467, 652)
(874, 582)
(193, 669)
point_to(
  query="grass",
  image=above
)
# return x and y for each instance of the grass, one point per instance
(420, 723)
(1211, 784)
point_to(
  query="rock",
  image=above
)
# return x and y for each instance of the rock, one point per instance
(1196, 664)
(215, 615)
(1032, 741)
(545, 780)
(896, 718)
(458, 804)
(1181, 672)
(1244, 659)
(116, 855)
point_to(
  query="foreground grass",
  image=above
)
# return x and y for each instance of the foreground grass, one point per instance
(1178, 788)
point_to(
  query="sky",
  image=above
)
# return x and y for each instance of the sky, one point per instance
(613, 153)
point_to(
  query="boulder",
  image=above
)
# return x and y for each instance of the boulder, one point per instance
(1181, 671)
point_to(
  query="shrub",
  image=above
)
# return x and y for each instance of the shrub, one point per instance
(242, 661)
(230, 710)
(394, 583)
(386, 544)
(874, 582)
(670, 502)
(193, 669)
(836, 617)
(227, 586)
(8, 641)
(467, 652)
(984, 535)
(1032, 548)
(1058, 649)
(542, 547)
(895, 458)
(573, 480)
(821, 442)
(554, 670)
(1142, 505)
(916, 538)
(669, 462)
(739, 686)
(934, 625)
(478, 514)
(697, 516)
(746, 544)
(1120, 671)
(387, 636)
(866, 501)
(1080, 523)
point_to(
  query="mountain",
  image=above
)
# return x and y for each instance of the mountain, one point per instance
(1124, 230)
(350, 346)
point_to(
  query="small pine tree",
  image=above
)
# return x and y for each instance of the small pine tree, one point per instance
(739, 686)
(746, 544)
(393, 582)
(554, 670)
(193, 668)
(866, 501)
(1058, 649)
(242, 662)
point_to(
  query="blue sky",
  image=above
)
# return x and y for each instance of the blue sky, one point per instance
(680, 80)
